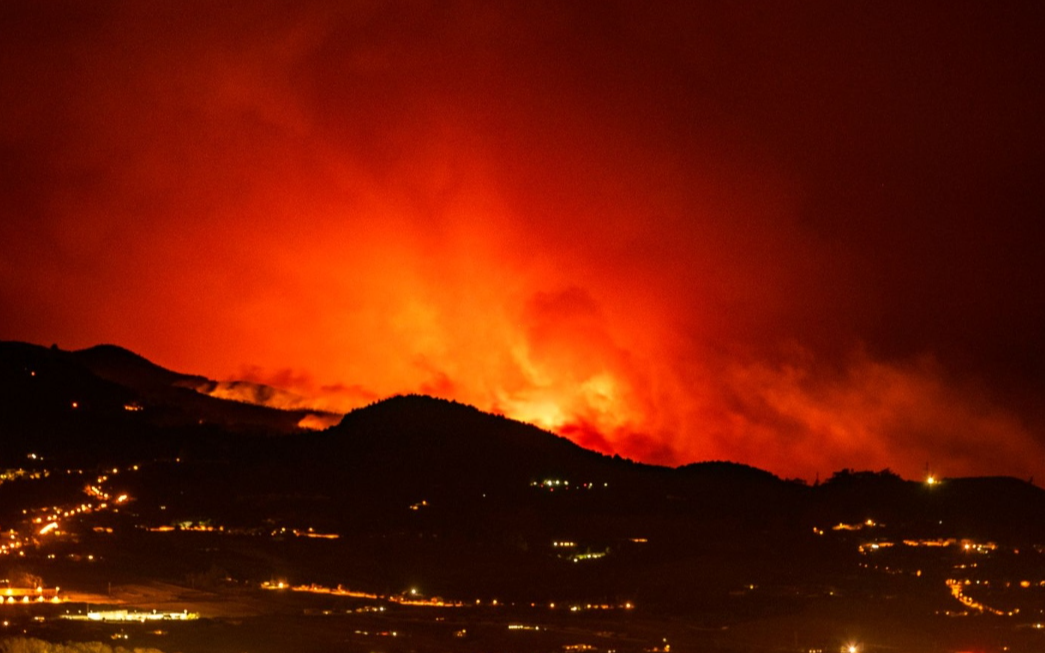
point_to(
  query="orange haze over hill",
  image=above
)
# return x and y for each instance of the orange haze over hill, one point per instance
(795, 237)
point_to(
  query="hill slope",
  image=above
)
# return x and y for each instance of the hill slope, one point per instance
(106, 397)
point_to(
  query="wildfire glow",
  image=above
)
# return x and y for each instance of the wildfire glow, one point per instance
(505, 214)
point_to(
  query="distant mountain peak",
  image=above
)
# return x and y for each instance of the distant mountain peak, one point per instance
(725, 468)
(422, 403)
(122, 365)
(109, 349)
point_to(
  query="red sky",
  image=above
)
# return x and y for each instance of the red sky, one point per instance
(802, 237)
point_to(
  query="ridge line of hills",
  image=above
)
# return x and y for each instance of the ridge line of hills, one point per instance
(105, 404)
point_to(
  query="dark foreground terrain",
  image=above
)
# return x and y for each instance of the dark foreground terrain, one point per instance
(137, 512)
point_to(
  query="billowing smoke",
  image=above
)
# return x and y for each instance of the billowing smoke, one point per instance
(253, 393)
(670, 234)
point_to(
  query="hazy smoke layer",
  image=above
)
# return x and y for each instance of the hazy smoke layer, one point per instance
(799, 238)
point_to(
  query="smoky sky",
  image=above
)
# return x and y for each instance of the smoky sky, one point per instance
(804, 236)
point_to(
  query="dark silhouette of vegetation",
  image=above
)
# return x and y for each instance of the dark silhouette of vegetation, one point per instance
(847, 476)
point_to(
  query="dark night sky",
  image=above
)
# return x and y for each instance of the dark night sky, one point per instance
(804, 236)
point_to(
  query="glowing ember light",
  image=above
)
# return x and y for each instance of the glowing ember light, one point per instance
(48, 528)
(319, 422)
